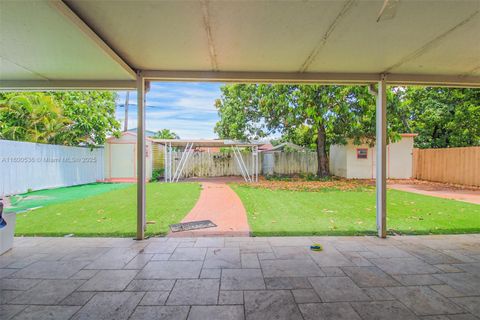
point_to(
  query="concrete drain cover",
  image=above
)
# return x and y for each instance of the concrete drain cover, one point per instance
(202, 224)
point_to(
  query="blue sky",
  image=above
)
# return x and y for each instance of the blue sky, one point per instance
(186, 108)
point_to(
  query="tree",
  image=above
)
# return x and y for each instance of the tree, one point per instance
(165, 134)
(68, 118)
(328, 114)
(443, 117)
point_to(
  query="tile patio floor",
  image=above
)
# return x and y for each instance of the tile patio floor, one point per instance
(424, 277)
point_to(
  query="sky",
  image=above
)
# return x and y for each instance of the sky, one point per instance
(184, 107)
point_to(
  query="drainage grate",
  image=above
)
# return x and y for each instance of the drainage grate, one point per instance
(202, 224)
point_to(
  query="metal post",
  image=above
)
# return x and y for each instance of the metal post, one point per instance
(141, 186)
(381, 142)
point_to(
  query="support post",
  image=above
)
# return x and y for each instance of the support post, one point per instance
(141, 186)
(381, 146)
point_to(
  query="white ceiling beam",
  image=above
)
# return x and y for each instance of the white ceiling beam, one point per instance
(45, 85)
(63, 9)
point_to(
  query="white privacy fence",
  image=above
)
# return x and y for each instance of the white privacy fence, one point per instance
(26, 165)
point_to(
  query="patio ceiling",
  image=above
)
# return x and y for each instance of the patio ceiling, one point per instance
(83, 43)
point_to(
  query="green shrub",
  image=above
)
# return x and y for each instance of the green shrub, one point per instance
(158, 174)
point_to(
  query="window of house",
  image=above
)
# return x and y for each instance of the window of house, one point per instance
(362, 153)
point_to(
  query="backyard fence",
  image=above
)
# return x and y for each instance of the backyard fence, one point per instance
(451, 165)
(26, 165)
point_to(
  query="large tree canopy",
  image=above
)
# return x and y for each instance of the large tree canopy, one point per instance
(165, 134)
(314, 114)
(68, 118)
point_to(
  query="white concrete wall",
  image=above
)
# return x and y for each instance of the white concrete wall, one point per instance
(399, 160)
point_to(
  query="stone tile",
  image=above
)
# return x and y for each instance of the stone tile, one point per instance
(447, 268)
(417, 279)
(242, 279)
(216, 313)
(163, 312)
(48, 292)
(287, 283)
(51, 270)
(471, 304)
(305, 296)
(382, 310)
(424, 301)
(328, 311)
(222, 258)
(473, 268)
(139, 261)
(290, 241)
(194, 292)
(331, 258)
(465, 316)
(447, 291)
(464, 283)
(84, 274)
(154, 298)
(150, 285)
(357, 259)
(78, 298)
(291, 252)
(249, 260)
(209, 242)
(378, 294)
(230, 297)
(9, 311)
(349, 246)
(110, 305)
(171, 270)
(430, 255)
(109, 280)
(87, 254)
(188, 254)
(290, 268)
(388, 251)
(369, 277)
(404, 266)
(161, 256)
(270, 305)
(337, 289)
(47, 312)
(18, 284)
(266, 256)
(160, 247)
(333, 271)
(210, 273)
(115, 258)
(6, 272)
(8, 295)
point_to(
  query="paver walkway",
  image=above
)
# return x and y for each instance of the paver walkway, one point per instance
(223, 278)
(440, 192)
(220, 204)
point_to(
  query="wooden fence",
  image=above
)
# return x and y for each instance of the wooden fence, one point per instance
(451, 165)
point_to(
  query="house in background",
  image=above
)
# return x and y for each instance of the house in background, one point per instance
(148, 133)
(358, 161)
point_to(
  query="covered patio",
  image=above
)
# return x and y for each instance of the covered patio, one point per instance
(124, 45)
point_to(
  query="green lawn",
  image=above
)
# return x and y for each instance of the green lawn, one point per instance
(111, 213)
(335, 212)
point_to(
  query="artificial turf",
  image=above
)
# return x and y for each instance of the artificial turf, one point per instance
(352, 212)
(111, 213)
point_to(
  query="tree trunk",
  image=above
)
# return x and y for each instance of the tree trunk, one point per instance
(322, 170)
(125, 125)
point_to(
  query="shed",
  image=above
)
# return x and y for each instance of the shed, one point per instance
(121, 161)
(358, 161)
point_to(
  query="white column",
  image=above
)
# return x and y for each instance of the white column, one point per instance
(381, 143)
(141, 177)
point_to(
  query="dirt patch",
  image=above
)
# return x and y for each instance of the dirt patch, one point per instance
(432, 186)
(312, 186)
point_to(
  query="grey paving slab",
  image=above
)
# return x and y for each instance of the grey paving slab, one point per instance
(115, 258)
(161, 256)
(466, 283)
(404, 266)
(88, 254)
(222, 258)
(230, 297)
(47, 313)
(430, 255)
(7, 312)
(472, 304)
(270, 305)
(154, 298)
(171, 270)
(78, 298)
(305, 296)
(417, 279)
(328, 311)
(333, 271)
(84, 274)
(291, 252)
(8, 295)
(242, 279)
(473, 268)
(109, 280)
(369, 277)
(216, 313)
(209, 242)
(249, 260)
(150, 285)
(383, 310)
(18, 284)
(337, 289)
(331, 258)
(447, 291)
(50, 270)
(6, 272)
(210, 273)
(194, 292)
(287, 283)
(188, 254)
(139, 261)
(48, 292)
(448, 268)
(357, 258)
(378, 294)
(386, 251)
(290, 268)
(110, 305)
(424, 301)
(160, 247)
(160, 312)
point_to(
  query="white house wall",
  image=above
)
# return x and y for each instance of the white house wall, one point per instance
(338, 160)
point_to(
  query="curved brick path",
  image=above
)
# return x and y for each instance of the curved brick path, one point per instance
(220, 204)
